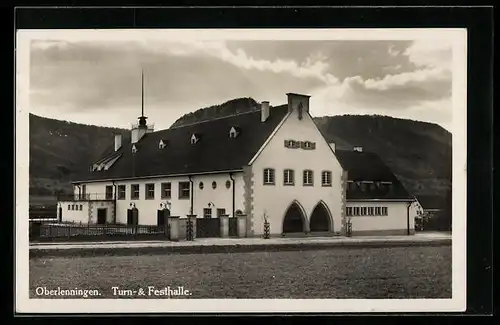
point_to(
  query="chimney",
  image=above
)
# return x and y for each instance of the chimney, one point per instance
(264, 111)
(118, 141)
(332, 145)
(298, 102)
(358, 149)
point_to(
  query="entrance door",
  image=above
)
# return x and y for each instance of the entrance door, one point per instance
(101, 216)
(320, 219)
(294, 220)
(132, 216)
(162, 217)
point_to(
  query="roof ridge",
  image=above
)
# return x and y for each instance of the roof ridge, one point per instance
(209, 120)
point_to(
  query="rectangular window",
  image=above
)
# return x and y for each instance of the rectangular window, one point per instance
(326, 178)
(109, 192)
(221, 212)
(207, 213)
(384, 211)
(134, 191)
(84, 191)
(288, 177)
(268, 176)
(121, 192)
(377, 211)
(356, 211)
(307, 178)
(349, 211)
(370, 211)
(166, 190)
(81, 207)
(363, 211)
(184, 190)
(69, 207)
(72, 207)
(150, 191)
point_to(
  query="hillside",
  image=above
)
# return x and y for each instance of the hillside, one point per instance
(59, 150)
(418, 152)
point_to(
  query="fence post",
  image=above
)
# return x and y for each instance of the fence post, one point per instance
(173, 222)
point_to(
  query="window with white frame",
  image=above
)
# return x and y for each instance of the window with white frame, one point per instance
(269, 176)
(377, 211)
(134, 191)
(166, 190)
(121, 192)
(348, 211)
(370, 211)
(326, 178)
(363, 211)
(207, 213)
(307, 179)
(184, 190)
(288, 177)
(384, 211)
(356, 211)
(150, 191)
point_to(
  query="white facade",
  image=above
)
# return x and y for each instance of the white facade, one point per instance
(274, 200)
(219, 198)
(397, 221)
(72, 211)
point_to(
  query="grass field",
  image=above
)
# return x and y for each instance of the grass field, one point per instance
(396, 272)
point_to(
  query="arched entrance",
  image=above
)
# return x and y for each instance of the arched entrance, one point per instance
(320, 219)
(294, 220)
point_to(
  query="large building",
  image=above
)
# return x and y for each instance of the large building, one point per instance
(271, 163)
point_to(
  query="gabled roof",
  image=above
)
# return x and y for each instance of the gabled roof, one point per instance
(368, 166)
(430, 201)
(216, 151)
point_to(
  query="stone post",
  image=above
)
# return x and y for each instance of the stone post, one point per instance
(224, 225)
(173, 222)
(242, 225)
(192, 217)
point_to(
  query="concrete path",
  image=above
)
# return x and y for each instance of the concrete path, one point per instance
(217, 245)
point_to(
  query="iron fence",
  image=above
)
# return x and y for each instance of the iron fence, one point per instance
(41, 231)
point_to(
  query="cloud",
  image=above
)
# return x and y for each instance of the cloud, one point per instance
(393, 77)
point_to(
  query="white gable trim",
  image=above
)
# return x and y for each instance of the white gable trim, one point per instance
(276, 129)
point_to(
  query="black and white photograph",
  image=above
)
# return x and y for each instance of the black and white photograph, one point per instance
(240, 170)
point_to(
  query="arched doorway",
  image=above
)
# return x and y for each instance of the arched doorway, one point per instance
(294, 219)
(320, 219)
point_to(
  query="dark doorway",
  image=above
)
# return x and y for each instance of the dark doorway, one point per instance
(294, 220)
(320, 219)
(207, 227)
(233, 227)
(101, 216)
(132, 216)
(60, 214)
(163, 217)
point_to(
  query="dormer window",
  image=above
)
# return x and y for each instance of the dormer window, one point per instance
(161, 145)
(134, 148)
(233, 133)
(194, 138)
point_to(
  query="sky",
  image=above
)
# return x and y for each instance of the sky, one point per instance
(98, 82)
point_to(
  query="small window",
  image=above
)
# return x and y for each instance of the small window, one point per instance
(370, 211)
(166, 190)
(194, 139)
(201, 185)
(109, 192)
(348, 211)
(307, 178)
(228, 184)
(214, 185)
(121, 192)
(363, 211)
(356, 211)
(268, 176)
(221, 212)
(233, 133)
(377, 211)
(134, 148)
(184, 190)
(72, 207)
(207, 213)
(134, 191)
(326, 178)
(161, 145)
(288, 177)
(384, 211)
(150, 191)
(81, 207)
